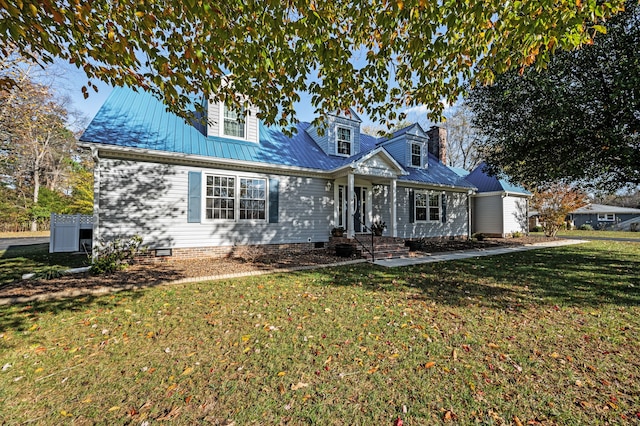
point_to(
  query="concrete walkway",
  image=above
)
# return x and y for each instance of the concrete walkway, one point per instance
(442, 257)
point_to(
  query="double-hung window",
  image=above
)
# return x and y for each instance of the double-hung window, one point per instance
(253, 198)
(427, 207)
(231, 198)
(606, 217)
(416, 155)
(220, 198)
(234, 122)
(434, 207)
(344, 141)
(421, 206)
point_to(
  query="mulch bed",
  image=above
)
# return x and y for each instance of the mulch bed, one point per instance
(153, 274)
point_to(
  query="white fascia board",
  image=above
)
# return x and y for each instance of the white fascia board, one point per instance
(388, 156)
(435, 186)
(174, 157)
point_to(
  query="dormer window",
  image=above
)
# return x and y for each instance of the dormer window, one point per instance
(416, 155)
(234, 122)
(344, 141)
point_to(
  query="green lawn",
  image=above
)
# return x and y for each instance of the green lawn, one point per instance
(541, 337)
(18, 260)
(586, 234)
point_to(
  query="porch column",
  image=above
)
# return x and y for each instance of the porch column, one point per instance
(392, 208)
(351, 207)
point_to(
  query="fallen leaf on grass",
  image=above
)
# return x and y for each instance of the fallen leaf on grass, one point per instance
(282, 373)
(493, 345)
(187, 371)
(373, 369)
(517, 421)
(300, 385)
(429, 364)
(114, 408)
(449, 416)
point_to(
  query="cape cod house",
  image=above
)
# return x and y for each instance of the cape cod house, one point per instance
(191, 190)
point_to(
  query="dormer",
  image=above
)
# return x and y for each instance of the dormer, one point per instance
(409, 146)
(225, 122)
(229, 123)
(341, 135)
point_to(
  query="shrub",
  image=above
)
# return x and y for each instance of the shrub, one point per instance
(478, 236)
(585, 227)
(516, 234)
(50, 272)
(537, 228)
(115, 255)
(249, 254)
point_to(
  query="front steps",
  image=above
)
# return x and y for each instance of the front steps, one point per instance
(383, 247)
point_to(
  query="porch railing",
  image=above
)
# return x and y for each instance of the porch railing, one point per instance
(365, 228)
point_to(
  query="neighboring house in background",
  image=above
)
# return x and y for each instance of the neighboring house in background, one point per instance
(202, 190)
(602, 216)
(499, 208)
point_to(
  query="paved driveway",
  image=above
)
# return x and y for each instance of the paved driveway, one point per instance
(5, 243)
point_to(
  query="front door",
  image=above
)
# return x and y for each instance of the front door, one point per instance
(360, 209)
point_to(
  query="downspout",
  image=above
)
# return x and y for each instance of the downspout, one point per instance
(469, 211)
(95, 237)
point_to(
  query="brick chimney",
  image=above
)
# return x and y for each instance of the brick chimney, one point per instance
(438, 143)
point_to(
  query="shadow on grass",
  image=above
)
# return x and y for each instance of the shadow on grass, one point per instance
(23, 259)
(19, 318)
(572, 275)
(77, 293)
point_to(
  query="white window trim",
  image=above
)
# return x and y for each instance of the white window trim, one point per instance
(427, 194)
(351, 136)
(604, 217)
(421, 146)
(221, 125)
(236, 203)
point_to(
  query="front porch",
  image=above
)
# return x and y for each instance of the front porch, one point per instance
(364, 245)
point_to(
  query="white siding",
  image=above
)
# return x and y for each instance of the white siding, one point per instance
(456, 224)
(150, 199)
(215, 119)
(398, 150)
(327, 142)
(486, 215)
(515, 214)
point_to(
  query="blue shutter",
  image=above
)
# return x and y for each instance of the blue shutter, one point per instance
(273, 200)
(412, 206)
(444, 208)
(194, 198)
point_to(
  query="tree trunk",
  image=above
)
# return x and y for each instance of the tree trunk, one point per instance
(36, 194)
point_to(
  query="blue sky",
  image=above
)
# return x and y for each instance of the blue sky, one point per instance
(70, 80)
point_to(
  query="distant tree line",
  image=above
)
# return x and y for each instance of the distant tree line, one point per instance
(41, 169)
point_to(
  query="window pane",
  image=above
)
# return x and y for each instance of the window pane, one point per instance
(434, 214)
(219, 197)
(253, 199)
(421, 213)
(416, 155)
(233, 122)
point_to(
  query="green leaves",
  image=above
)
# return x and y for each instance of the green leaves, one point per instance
(578, 119)
(176, 49)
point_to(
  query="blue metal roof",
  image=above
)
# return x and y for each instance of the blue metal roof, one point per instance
(138, 120)
(486, 183)
(460, 171)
